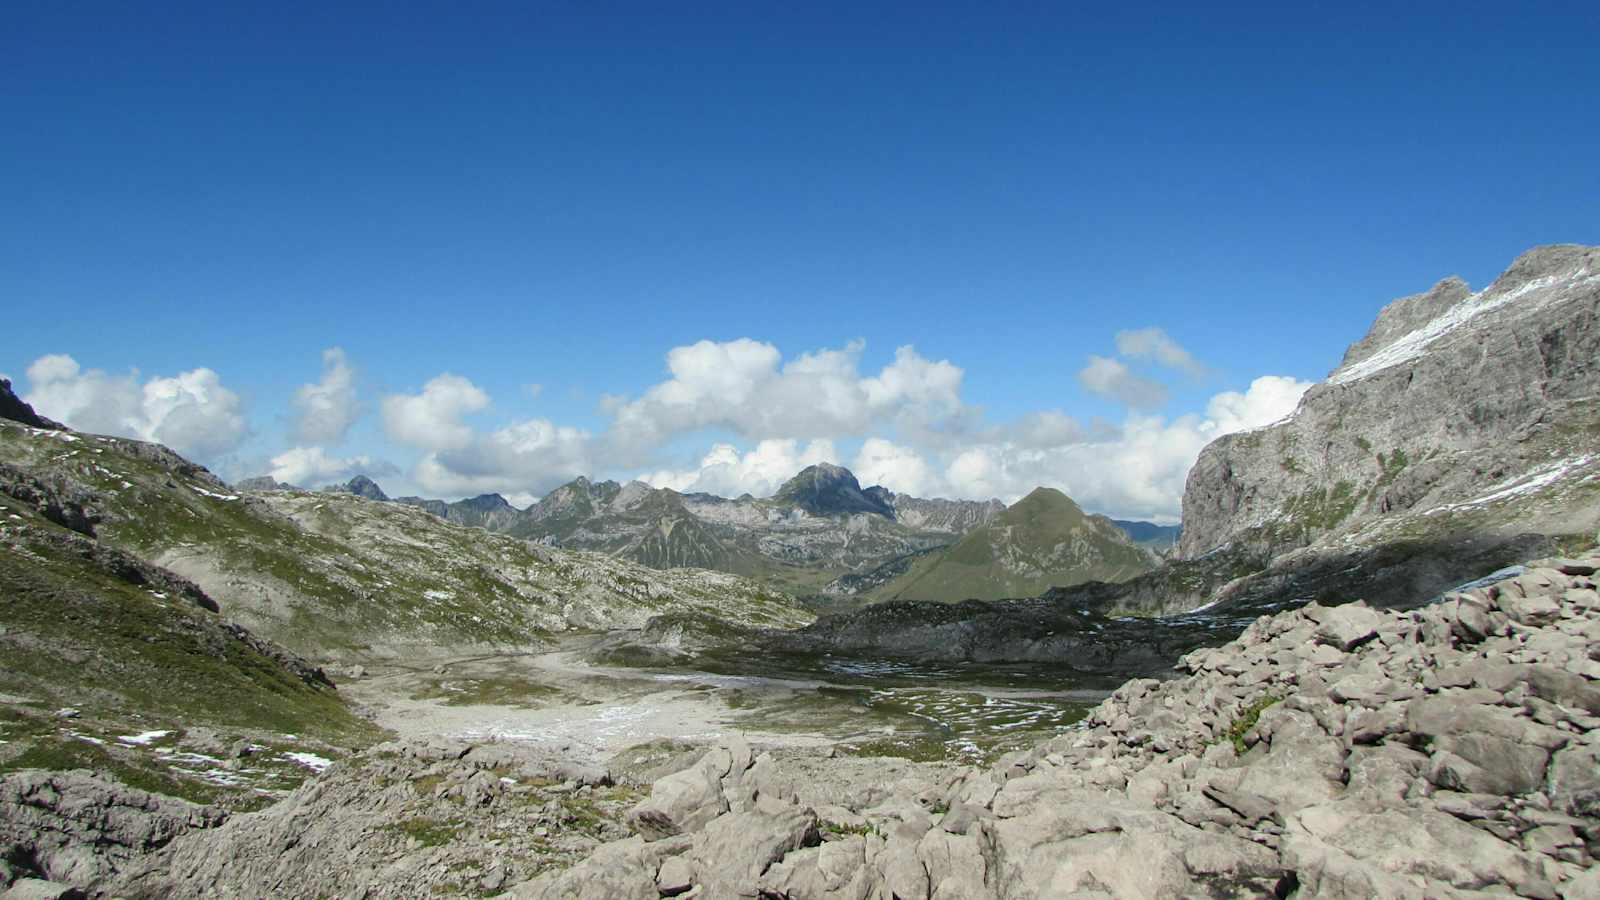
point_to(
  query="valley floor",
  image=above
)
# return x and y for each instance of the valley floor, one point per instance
(562, 704)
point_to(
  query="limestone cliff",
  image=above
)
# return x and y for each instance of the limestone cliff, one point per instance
(1459, 411)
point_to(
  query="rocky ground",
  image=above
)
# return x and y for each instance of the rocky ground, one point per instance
(1341, 751)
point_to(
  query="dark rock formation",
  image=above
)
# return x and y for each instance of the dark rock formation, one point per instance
(361, 486)
(829, 490)
(12, 407)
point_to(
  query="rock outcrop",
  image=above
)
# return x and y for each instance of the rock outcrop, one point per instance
(1328, 752)
(78, 829)
(1458, 412)
(14, 408)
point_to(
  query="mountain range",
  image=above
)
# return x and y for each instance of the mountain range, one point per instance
(822, 535)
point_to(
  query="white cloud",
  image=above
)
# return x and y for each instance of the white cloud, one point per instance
(1270, 398)
(1153, 343)
(190, 412)
(727, 472)
(1136, 470)
(1111, 378)
(743, 386)
(312, 467)
(326, 410)
(431, 420)
(918, 436)
(525, 457)
(900, 469)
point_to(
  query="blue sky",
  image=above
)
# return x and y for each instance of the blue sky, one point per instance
(560, 194)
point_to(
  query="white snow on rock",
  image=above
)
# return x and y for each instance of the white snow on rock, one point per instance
(1411, 345)
(201, 490)
(144, 737)
(1528, 482)
(310, 760)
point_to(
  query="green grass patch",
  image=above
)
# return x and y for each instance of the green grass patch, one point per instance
(841, 829)
(425, 831)
(1246, 720)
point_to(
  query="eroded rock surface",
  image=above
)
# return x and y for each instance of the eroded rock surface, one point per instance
(1328, 752)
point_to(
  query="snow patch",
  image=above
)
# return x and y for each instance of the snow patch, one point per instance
(143, 737)
(200, 490)
(1411, 345)
(309, 760)
(439, 595)
(1526, 483)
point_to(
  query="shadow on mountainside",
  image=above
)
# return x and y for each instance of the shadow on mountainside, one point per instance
(1143, 626)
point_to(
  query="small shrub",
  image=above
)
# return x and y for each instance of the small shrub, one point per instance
(1248, 717)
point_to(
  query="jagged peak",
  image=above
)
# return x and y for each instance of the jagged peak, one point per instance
(361, 486)
(825, 489)
(1407, 314)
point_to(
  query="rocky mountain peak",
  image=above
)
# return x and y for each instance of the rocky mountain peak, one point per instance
(1458, 412)
(263, 483)
(12, 407)
(1044, 501)
(1407, 314)
(486, 503)
(828, 490)
(361, 486)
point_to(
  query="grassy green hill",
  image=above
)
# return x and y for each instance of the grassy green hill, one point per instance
(1043, 540)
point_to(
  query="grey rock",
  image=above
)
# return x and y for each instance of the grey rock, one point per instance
(1345, 627)
(1415, 413)
(39, 889)
(80, 829)
(675, 876)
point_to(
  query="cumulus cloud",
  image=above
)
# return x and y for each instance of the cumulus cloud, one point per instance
(1155, 344)
(324, 411)
(431, 420)
(522, 458)
(917, 436)
(727, 472)
(1113, 379)
(900, 469)
(745, 387)
(190, 412)
(1270, 398)
(1135, 470)
(312, 467)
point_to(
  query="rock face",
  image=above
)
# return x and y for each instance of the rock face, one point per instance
(78, 830)
(1458, 411)
(12, 407)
